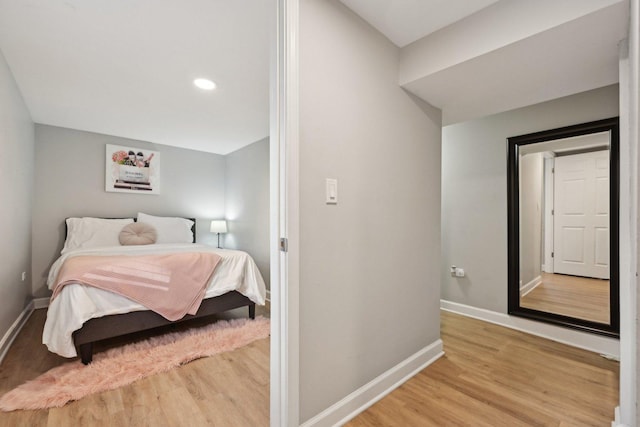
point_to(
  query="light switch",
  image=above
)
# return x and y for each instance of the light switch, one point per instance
(332, 191)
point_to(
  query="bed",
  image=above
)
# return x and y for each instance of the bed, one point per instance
(81, 315)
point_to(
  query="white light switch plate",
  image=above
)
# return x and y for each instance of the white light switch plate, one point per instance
(332, 191)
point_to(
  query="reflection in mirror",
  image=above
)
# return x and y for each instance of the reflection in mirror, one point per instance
(562, 217)
(564, 227)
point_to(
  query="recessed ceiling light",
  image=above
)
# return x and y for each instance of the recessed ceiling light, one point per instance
(204, 84)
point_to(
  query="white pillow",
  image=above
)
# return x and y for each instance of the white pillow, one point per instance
(169, 229)
(87, 232)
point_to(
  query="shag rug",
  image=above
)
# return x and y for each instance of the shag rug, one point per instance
(124, 365)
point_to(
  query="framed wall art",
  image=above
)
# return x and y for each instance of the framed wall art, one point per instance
(132, 170)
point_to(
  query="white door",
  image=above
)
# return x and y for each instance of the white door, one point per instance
(581, 219)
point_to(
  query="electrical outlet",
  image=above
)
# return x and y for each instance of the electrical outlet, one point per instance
(24, 275)
(459, 272)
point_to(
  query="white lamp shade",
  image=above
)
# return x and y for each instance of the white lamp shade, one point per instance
(218, 226)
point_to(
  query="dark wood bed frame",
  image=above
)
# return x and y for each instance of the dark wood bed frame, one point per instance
(116, 325)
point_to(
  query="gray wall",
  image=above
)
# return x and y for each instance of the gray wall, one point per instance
(369, 267)
(247, 203)
(474, 191)
(531, 168)
(16, 188)
(69, 181)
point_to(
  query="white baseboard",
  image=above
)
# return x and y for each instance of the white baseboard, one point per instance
(596, 343)
(356, 402)
(616, 422)
(41, 303)
(524, 290)
(14, 330)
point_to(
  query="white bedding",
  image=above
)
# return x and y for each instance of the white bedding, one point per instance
(78, 303)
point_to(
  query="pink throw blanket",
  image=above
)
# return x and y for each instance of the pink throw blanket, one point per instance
(172, 285)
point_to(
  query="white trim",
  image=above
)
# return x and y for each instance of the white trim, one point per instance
(284, 135)
(627, 243)
(548, 207)
(629, 51)
(616, 422)
(524, 290)
(14, 330)
(364, 397)
(609, 347)
(41, 303)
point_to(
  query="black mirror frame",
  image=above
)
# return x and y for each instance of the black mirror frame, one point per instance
(607, 125)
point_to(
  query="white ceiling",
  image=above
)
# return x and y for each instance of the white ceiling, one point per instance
(125, 68)
(571, 58)
(574, 50)
(405, 21)
(580, 142)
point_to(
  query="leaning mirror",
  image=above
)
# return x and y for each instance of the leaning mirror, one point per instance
(563, 226)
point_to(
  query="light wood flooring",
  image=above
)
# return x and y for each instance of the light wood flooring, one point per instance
(489, 376)
(229, 389)
(494, 376)
(579, 297)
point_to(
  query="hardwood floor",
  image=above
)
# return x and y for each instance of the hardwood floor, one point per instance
(229, 389)
(490, 376)
(580, 297)
(494, 376)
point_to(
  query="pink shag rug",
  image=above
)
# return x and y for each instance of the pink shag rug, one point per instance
(124, 365)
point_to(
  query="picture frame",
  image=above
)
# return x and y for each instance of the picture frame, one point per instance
(132, 170)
